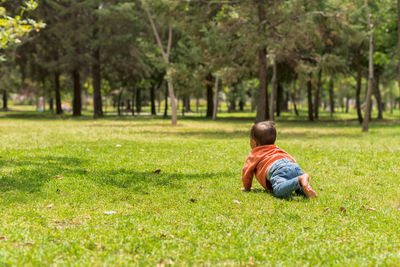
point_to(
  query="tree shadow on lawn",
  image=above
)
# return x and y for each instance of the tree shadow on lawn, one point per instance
(33, 175)
(33, 172)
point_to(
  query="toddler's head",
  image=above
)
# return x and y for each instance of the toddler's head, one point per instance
(262, 134)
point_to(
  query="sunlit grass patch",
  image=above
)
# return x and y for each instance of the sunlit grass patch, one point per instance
(84, 192)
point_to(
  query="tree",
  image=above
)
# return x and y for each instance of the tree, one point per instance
(165, 55)
(370, 72)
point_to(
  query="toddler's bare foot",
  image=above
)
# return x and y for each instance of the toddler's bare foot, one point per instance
(304, 181)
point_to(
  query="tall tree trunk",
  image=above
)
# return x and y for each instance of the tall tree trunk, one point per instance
(262, 104)
(358, 84)
(273, 91)
(398, 46)
(371, 71)
(232, 102)
(294, 98)
(51, 104)
(153, 100)
(166, 102)
(138, 100)
(279, 99)
(58, 93)
(209, 96)
(96, 76)
(197, 104)
(133, 99)
(347, 103)
(186, 103)
(119, 101)
(331, 97)
(377, 93)
(215, 108)
(309, 97)
(5, 100)
(77, 102)
(165, 54)
(317, 95)
(391, 100)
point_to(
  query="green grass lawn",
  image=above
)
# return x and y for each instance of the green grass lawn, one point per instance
(60, 177)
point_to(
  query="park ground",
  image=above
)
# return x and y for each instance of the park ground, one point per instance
(82, 192)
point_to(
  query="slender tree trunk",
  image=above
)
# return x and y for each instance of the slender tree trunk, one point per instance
(309, 97)
(165, 55)
(262, 108)
(331, 97)
(138, 100)
(209, 96)
(317, 95)
(96, 76)
(58, 93)
(294, 98)
(273, 91)
(119, 102)
(398, 46)
(77, 102)
(197, 104)
(128, 105)
(358, 84)
(166, 102)
(371, 71)
(347, 103)
(377, 93)
(279, 98)
(215, 107)
(186, 103)
(153, 100)
(51, 104)
(5, 100)
(133, 99)
(391, 100)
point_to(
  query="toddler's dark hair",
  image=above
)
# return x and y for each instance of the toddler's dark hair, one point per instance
(264, 133)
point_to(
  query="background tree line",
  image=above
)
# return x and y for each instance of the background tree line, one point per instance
(266, 55)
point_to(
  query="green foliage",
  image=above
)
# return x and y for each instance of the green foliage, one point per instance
(12, 29)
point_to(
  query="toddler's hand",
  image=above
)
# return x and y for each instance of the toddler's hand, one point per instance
(244, 189)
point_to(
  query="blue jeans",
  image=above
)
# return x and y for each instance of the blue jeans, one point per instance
(284, 178)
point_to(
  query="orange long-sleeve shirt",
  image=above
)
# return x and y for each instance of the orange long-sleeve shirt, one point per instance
(258, 162)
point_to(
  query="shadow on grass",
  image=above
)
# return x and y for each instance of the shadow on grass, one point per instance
(31, 174)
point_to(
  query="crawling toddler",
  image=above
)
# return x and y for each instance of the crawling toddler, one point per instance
(273, 167)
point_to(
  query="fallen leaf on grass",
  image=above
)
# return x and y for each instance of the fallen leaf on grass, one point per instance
(50, 206)
(3, 238)
(229, 234)
(342, 209)
(59, 176)
(193, 200)
(29, 244)
(270, 211)
(157, 171)
(326, 209)
(367, 208)
(110, 212)
(237, 202)
(86, 170)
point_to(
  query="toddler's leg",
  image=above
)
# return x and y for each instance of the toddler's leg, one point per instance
(283, 187)
(304, 181)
